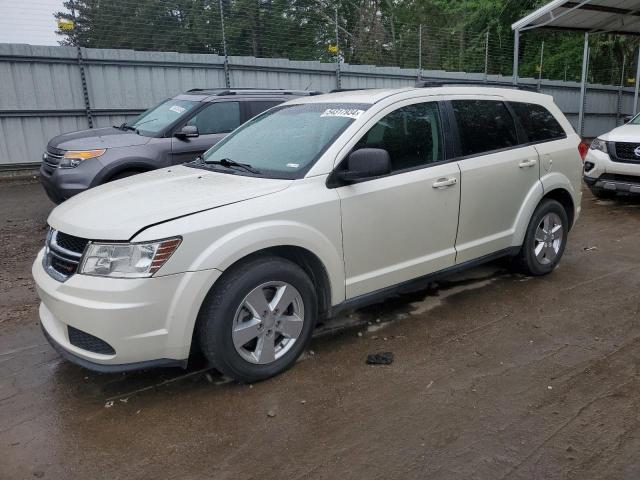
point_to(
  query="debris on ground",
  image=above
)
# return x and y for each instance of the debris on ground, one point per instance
(109, 404)
(590, 249)
(385, 358)
(271, 414)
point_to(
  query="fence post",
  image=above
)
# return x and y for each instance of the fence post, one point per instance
(635, 95)
(620, 90)
(419, 52)
(83, 76)
(541, 63)
(227, 77)
(516, 53)
(486, 57)
(338, 80)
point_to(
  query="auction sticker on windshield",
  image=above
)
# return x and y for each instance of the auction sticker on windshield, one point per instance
(177, 109)
(342, 112)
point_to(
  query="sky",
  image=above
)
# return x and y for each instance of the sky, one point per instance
(29, 21)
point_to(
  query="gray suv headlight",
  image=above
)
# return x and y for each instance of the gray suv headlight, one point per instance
(599, 144)
(127, 260)
(73, 158)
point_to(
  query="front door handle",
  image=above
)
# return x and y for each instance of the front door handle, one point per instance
(528, 163)
(445, 182)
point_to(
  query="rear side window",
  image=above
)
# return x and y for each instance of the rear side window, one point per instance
(411, 134)
(538, 123)
(484, 126)
(258, 107)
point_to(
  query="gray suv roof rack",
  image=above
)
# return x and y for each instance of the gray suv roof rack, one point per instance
(252, 91)
(432, 83)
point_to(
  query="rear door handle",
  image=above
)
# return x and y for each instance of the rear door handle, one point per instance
(528, 163)
(445, 182)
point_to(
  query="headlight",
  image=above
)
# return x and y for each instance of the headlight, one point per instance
(127, 260)
(598, 144)
(73, 158)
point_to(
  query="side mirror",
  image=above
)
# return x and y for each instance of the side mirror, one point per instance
(364, 164)
(188, 131)
(627, 118)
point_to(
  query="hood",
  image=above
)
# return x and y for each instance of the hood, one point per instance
(118, 210)
(625, 133)
(96, 138)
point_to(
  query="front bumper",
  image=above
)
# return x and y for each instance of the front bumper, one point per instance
(61, 184)
(148, 321)
(613, 183)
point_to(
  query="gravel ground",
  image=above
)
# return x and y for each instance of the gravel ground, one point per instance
(496, 376)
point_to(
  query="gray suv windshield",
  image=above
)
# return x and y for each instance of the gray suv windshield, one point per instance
(285, 141)
(158, 118)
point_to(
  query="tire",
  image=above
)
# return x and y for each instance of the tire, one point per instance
(602, 194)
(536, 260)
(233, 312)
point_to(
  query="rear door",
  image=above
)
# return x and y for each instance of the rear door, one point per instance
(498, 172)
(403, 225)
(214, 122)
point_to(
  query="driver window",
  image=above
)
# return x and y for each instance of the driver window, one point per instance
(412, 135)
(220, 117)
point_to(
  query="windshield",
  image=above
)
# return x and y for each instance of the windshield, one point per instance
(158, 118)
(283, 142)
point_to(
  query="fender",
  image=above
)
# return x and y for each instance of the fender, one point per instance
(525, 213)
(558, 181)
(132, 163)
(248, 239)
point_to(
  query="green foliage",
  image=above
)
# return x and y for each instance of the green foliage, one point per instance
(379, 32)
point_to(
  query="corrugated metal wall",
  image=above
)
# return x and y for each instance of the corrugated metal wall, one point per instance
(41, 92)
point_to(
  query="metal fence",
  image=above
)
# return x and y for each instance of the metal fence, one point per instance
(45, 91)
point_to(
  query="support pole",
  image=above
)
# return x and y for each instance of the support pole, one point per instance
(583, 83)
(419, 52)
(541, 63)
(338, 81)
(621, 89)
(486, 57)
(635, 95)
(227, 77)
(83, 76)
(516, 53)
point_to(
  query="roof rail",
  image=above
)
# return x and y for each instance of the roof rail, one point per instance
(437, 82)
(338, 90)
(252, 91)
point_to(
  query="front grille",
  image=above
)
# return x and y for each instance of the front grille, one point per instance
(615, 177)
(69, 242)
(626, 152)
(63, 253)
(88, 342)
(52, 157)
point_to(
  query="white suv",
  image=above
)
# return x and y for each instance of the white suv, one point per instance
(612, 164)
(320, 204)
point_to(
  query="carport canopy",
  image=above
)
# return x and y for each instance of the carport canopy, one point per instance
(587, 16)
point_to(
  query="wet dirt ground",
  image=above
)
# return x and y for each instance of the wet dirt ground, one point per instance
(496, 376)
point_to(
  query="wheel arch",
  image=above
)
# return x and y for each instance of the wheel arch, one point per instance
(139, 165)
(564, 198)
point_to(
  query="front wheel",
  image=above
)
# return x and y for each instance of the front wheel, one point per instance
(545, 239)
(258, 319)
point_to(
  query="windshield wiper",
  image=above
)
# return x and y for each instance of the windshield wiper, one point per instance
(228, 163)
(124, 126)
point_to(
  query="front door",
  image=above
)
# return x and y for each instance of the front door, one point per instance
(213, 122)
(403, 225)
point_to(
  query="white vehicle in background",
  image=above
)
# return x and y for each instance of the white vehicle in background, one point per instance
(612, 164)
(321, 204)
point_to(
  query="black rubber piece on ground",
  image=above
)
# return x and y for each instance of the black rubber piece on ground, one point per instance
(385, 358)
(215, 319)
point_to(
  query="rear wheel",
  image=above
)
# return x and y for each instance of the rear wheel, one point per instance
(258, 319)
(545, 239)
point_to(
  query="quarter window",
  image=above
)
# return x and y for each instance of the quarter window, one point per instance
(412, 135)
(484, 126)
(220, 117)
(258, 107)
(538, 123)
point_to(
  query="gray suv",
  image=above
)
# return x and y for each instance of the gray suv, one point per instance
(173, 132)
